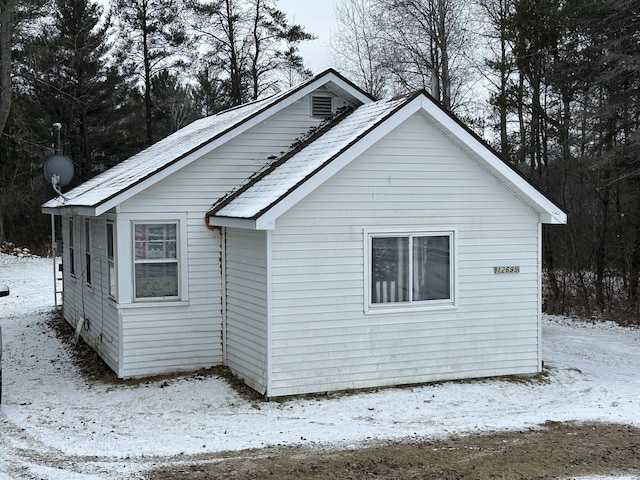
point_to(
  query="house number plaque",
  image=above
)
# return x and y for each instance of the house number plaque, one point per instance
(510, 269)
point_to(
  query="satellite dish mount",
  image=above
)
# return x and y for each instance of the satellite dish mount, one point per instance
(58, 169)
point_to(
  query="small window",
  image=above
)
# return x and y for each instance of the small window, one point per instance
(156, 261)
(321, 107)
(72, 259)
(111, 264)
(87, 247)
(411, 268)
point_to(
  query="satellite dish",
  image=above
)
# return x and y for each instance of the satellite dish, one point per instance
(58, 169)
(58, 166)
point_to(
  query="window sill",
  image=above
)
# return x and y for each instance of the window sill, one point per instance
(154, 303)
(385, 309)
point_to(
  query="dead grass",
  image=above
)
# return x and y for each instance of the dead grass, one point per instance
(558, 450)
(94, 370)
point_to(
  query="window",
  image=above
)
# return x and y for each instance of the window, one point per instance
(156, 261)
(321, 106)
(87, 249)
(72, 262)
(111, 264)
(411, 268)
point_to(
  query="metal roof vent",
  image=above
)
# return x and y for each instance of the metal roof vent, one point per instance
(321, 106)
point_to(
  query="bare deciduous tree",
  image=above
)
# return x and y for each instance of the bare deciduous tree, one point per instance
(357, 46)
(395, 46)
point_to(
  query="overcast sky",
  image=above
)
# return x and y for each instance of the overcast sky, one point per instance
(317, 17)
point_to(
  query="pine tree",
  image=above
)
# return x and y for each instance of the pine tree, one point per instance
(67, 70)
(249, 43)
(151, 38)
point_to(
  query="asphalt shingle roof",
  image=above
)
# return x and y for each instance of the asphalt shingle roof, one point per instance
(275, 181)
(158, 156)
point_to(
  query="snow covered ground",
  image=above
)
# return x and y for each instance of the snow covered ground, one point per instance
(54, 425)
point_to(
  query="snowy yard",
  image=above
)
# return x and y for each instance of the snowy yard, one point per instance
(53, 425)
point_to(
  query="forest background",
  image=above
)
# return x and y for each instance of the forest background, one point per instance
(552, 85)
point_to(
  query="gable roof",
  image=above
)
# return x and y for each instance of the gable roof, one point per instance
(279, 186)
(108, 189)
(276, 181)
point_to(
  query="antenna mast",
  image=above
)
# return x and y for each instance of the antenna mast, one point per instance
(58, 169)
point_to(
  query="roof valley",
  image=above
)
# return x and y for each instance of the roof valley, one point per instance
(298, 145)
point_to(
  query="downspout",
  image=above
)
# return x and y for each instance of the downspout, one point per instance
(539, 262)
(223, 287)
(223, 291)
(268, 388)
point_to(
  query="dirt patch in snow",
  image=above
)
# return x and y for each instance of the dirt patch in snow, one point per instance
(94, 369)
(557, 450)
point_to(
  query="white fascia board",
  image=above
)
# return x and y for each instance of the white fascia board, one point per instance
(322, 81)
(233, 222)
(70, 210)
(53, 210)
(171, 169)
(344, 87)
(338, 163)
(548, 212)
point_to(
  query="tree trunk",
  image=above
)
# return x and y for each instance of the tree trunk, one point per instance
(601, 248)
(2, 239)
(443, 46)
(147, 85)
(6, 28)
(235, 68)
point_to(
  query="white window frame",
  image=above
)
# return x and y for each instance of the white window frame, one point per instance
(179, 260)
(112, 274)
(450, 302)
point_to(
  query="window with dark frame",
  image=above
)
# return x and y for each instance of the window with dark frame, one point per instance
(72, 259)
(411, 268)
(111, 264)
(87, 246)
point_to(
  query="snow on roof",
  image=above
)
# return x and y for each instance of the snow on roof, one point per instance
(186, 141)
(159, 155)
(274, 182)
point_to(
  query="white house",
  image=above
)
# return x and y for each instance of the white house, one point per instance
(312, 241)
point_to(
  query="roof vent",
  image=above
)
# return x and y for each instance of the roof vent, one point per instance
(321, 106)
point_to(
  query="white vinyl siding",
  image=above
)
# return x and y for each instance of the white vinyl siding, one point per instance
(246, 305)
(188, 335)
(173, 336)
(90, 303)
(415, 178)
